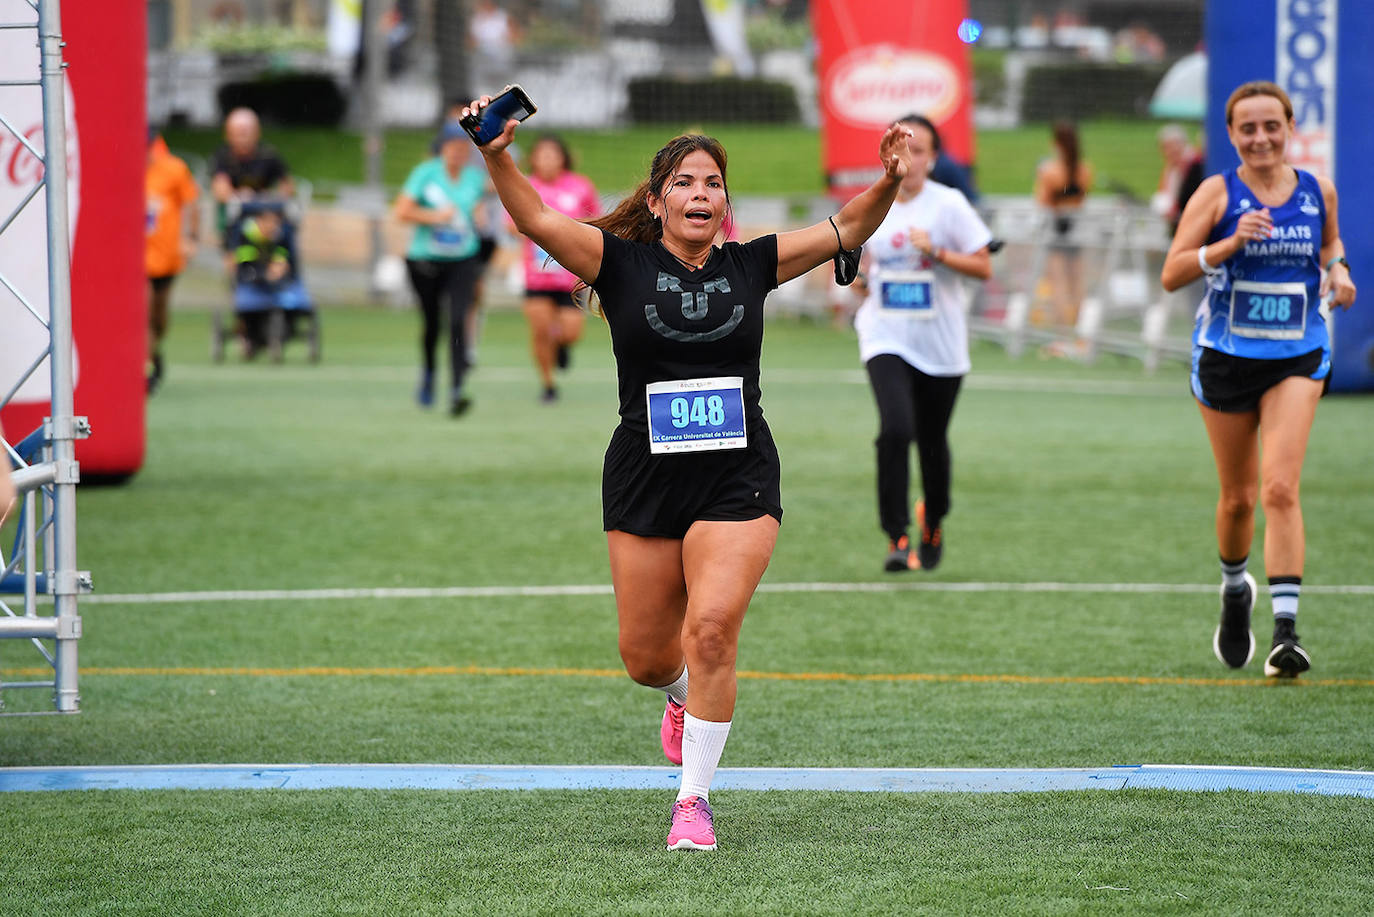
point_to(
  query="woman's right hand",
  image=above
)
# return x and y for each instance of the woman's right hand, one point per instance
(1253, 225)
(504, 139)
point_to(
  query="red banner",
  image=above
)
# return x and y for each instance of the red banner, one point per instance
(880, 60)
(105, 50)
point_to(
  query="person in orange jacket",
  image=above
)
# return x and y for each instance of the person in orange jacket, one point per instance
(171, 229)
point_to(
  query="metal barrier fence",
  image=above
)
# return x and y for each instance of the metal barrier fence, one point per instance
(1091, 290)
(44, 557)
(1094, 290)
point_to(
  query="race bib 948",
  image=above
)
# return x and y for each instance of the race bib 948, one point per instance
(696, 415)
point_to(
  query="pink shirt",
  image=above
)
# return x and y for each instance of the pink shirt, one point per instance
(572, 195)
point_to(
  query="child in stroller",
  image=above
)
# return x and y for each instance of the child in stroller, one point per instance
(270, 301)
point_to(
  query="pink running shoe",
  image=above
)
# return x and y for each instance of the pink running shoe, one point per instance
(693, 826)
(671, 731)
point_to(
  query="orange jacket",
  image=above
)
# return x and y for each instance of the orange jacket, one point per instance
(168, 188)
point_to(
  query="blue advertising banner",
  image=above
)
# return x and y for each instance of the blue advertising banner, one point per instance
(1317, 50)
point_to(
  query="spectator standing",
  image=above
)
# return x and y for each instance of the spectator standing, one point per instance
(171, 230)
(245, 168)
(1062, 183)
(492, 37)
(1182, 172)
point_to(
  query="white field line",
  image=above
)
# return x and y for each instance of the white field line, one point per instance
(472, 592)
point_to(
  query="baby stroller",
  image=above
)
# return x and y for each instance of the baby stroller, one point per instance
(271, 304)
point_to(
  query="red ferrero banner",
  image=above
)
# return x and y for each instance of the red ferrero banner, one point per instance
(106, 152)
(880, 60)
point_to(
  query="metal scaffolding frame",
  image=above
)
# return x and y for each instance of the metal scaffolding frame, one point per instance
(44, 557)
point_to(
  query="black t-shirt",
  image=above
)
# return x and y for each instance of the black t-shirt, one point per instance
(259, 172)
(669, 322)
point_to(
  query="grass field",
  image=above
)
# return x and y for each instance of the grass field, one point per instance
(302, 477)
(766, 160)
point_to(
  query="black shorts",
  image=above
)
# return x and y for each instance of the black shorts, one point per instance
(486, 247)
(660, 496)
(159, 284)
(561, 298)
(1236, 384)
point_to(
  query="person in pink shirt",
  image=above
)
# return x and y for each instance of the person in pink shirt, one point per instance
(555, 321)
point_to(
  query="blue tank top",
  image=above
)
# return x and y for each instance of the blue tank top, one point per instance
(1263, 304)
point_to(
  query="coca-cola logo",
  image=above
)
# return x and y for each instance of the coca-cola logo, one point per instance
(871, 86)
(20, 166)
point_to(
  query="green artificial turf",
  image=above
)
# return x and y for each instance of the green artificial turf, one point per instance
(300, 477)
(414, 853)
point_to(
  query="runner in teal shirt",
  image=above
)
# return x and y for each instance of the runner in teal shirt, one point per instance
(440, 198)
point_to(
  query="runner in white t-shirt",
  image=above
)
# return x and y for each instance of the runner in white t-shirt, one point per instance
(913, 340)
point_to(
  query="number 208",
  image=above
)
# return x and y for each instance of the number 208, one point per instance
(1269, 309)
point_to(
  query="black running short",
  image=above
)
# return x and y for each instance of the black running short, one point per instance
(486, 247)
(1236, 384)
(561, 298)
(661, 496)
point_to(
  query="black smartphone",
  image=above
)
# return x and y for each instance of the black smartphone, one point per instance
(512, 103)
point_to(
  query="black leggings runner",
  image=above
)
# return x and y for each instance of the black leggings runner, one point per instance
(453, 281)
(912, 406)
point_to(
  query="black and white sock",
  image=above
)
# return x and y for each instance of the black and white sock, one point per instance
(1233, 573)
(1284, 592)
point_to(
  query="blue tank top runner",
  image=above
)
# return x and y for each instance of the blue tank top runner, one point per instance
(1263, 304)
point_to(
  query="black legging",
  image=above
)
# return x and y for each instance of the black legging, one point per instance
(911, 406)
(453, 281)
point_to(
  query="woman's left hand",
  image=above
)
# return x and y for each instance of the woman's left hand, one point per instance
(1337, 282)
(894, 152)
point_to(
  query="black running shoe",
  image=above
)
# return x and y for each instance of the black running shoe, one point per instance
(563, 357)
(932, 547)
(899, 556)
(459, 405)
(1233, 642)
(1287, 659)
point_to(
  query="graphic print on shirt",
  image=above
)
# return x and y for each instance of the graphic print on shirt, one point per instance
(694, 308)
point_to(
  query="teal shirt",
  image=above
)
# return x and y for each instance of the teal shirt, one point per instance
(430, 185)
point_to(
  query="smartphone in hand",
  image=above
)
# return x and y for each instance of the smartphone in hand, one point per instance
(486, 126)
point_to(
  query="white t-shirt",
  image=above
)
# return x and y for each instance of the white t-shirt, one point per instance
(936, 344)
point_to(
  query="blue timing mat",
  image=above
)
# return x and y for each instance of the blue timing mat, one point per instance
(589, 777)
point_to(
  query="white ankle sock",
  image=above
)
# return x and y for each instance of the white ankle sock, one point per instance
(678, 689)
(702, 743)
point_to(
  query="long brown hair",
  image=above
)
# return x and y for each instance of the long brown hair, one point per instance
(631, 219)
(1066, 139)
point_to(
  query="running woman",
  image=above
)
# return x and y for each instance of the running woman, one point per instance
(441, 198)
(1265, 236)
(690, 486)
(914, 342)
(554, 319)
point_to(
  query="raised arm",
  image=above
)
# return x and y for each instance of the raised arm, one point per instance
(576, 246)
(801, 250)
